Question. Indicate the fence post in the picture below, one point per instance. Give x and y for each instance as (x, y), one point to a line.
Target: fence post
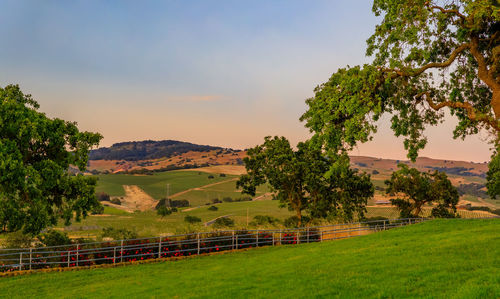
(121, 251)
(69, 257)
(159, 248)
(236, 241)
(273, 238)
(232, 240)
(20, 261)
(77, 254)
(257, 239)
(384, 224)
(198, 237)
(298, 236)
(281, 241)
(307, 232)
(31, 254)
(114, 255)
(321, 240)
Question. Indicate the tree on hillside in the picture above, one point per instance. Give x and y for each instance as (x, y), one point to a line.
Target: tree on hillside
(427, 57)
(416, 189)
(298, 181)
(36, 152)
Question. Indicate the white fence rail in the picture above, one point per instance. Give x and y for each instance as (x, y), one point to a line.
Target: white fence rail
(112, 252)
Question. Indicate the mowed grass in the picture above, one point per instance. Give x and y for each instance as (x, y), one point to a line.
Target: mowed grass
(436, 259)
(156, 185)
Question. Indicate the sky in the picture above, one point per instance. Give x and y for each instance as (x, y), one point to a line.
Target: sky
(225, 73)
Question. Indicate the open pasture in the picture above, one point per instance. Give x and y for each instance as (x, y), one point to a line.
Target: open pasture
(435, 259)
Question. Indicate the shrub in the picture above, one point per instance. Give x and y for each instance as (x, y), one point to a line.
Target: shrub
(216, 200)
(118, 233)
(264, 219)
(164, 211)
(227, 199)
(18, 240)
(181, 203)
(375, 172)
(293, 222)
(496, 212)
(98, 209)
(54, 238)
(116, 201)
(244, 198)
(486, 209)
(211, 177)
(161, 203)
(213, 208)
(224, 222)
(192, 219)
(222, 175)
(102, 196)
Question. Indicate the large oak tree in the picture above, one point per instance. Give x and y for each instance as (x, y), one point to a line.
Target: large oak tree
(427, 56)
(36, 152)
(297, 179)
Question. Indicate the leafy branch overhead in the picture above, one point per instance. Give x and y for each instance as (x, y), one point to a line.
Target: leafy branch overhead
(425, 57)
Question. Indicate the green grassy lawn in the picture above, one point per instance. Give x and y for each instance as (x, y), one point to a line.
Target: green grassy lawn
(156, 184)
(437, 259)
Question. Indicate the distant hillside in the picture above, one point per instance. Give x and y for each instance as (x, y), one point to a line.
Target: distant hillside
(148, 149)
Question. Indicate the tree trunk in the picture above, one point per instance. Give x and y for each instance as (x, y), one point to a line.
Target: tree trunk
(299, 215)
(495, 102)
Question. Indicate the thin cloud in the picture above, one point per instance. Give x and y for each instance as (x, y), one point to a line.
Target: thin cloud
(196, 98)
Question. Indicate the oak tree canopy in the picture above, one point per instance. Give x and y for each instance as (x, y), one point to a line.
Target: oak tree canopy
(36, 152)
(427, 56)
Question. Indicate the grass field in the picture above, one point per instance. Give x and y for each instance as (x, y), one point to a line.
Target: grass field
(150, 224)
(436, 259)
(156, 185)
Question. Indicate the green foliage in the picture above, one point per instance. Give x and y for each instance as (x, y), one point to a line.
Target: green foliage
(419, 188)
(265, 220)
(165, 211)
(148, 149)
(116, 201)
(213, 208)
(54, 238)
(294, 222)
(98, 209)
(103, 196)
(18, 240)
(493, 176)
(227, 199)
(192, 219)
(36, 153)
(427, 55)
(223, 222)
(306, 180)
(211, 177)
(118, 233)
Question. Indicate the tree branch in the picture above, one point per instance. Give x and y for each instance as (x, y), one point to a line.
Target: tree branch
(447, 11)
(471, 112)
(416, 72)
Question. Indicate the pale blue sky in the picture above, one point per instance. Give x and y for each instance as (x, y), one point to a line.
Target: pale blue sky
(223, 73)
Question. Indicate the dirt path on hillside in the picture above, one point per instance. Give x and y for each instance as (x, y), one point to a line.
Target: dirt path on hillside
(201, 188)
(136, 199)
